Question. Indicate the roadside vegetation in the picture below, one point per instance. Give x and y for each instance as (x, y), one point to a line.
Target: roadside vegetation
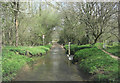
(23, 27)
(93, 26)
(101, 66)
(28, 28)
(74, 48)
(14, 58)
(115, 50)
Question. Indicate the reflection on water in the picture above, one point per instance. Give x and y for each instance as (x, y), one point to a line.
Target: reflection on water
(52, 67)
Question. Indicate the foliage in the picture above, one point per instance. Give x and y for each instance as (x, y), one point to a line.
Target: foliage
(11, 63)
(115, 43)
(48, 46)
(111, 48)
(13, 58)
(30, 51)
(33, 20)
(89, 22)
(114, 50)
(74, 48)
(100, 45)
(99, 64)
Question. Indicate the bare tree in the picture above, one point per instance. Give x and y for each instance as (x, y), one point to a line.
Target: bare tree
(16, 11)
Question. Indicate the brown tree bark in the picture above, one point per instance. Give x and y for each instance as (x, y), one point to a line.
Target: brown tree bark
(16, 26)
(16, 10)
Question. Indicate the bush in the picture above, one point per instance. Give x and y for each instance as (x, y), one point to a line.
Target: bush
(49, 46)
(115, 43)
(74, 48)
(99, 45)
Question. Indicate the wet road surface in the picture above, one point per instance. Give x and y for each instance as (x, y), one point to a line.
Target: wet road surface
(54, 66)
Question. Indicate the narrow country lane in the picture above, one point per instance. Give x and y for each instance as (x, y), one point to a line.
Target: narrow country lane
(54, 67)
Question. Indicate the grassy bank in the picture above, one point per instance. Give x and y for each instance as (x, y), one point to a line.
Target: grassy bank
(14, 58)
(74, 48)
(98, 64)
(115, 50)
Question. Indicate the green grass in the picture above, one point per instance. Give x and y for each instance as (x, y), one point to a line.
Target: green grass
(32, 51)
(99, 64)
(94, 61)
(115, 50)
(11, 63)
(14, 58)
(74, 48)
(100, 45)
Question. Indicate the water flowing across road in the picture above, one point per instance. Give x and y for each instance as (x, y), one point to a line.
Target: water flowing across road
(54, 66)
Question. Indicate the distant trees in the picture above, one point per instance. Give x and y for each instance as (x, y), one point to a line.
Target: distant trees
(73, 29)
(7, 21)
(81, 23)
(25, 23)
(96, 16)
(88, 22)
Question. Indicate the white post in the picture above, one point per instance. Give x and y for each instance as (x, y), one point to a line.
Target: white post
(69, 48)
(104, 44)
(43, 39)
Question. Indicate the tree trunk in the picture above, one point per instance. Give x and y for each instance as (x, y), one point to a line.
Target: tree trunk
(96, 38)
(9, 38)
(95, 41)
(119, 21)
(16, 10)
(16, 27)
(40, 10)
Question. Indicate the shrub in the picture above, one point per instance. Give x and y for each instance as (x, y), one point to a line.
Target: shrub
(74, 48)
(99, 45)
